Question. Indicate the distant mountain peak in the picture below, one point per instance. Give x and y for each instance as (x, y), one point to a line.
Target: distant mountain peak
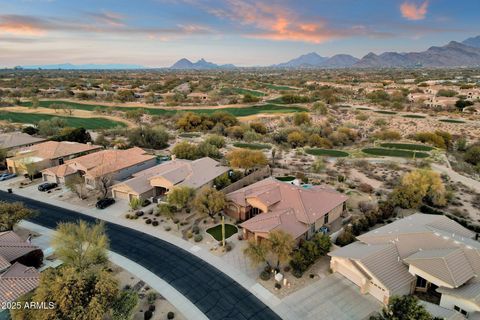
(472, 42)
(202, 64)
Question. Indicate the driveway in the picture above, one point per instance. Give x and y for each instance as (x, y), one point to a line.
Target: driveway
(213, 292)
(333, 297)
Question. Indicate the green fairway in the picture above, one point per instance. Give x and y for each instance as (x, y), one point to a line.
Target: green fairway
(451, 121)
(279, 87)
(407, 146)
(385, 112)
(327, 152)
(395, 153)
(414, 116)
(248, 91)
(362, 108)
(285, 178)
(253, 146)
(216, 231)
(236, 111)
(87, 123)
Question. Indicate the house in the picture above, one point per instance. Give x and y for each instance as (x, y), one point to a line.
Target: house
(440, 102)
(106, 167)
(47, 154)
(16, 140)
(419, 253)
(198, 96)
(161, 178)
(270, 205)
(18, 262)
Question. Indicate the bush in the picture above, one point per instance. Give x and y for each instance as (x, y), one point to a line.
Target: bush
(155, 223)
(365, 187)
(228, 247)
(151, 307)
(196, 229)
(170, 315)
(198, 238)
(139, 213)
(148, 315)
(265, 275)
(145, 202)
(278, 286)
(148, 221)
(167, 228)
(297, 273)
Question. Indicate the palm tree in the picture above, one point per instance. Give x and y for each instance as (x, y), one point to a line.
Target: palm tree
(81, 245)
(281, 245)
(257, 252)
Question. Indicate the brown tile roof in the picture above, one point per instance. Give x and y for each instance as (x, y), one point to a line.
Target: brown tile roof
(13, 247)
(290, 208)
(17, 139)
(17, 281)
(103, 162)
(469, 291)
(55, 149)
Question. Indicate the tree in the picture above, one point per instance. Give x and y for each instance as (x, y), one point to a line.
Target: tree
(180, 197)
(79, 135)
(31, 168)
(222, 181)
(76, 184)
(215, 140)
(258, 127)
(246, 159)
(3, 155)
(300, 118)
(103, 183)
(403, 308)
(145, 137)
(296, 139)
(281, 245)
(11, 213)
(472, 155)
(185, 150)
(80, 245)
(428, 184)
(166, 210)
(257, 251)
(35, 103)
(320, 108)
(209, 201)
(462, 104)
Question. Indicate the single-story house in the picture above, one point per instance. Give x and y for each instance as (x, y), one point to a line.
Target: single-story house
(270, 205)
(18, 262)
(158, 180)
(113, 165)
(424, 253)
(15, 140)
(47, 154)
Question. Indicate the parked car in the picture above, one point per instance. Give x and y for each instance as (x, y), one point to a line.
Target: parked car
(6, 176)
(47, 186)
(103, 203)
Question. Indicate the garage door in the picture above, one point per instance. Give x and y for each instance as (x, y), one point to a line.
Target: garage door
(121, 195)
(348, 273)
(377, 292)
(49, 178)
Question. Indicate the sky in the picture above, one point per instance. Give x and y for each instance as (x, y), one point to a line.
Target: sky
(156, 33)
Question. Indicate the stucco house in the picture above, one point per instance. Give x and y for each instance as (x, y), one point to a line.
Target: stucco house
(270, 205)
(425, 253)
(13, 141)
(158, 180)
(47, 154)
(112, 165)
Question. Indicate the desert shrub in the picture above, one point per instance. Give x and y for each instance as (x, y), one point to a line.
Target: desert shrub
(196, 229)
(170, 315)
(198, 238)
(148, 315)
(346, 237)
(365, 187)
(228, 247)
(167, 228)
(265, 275)
(148, 221)
(155, 223)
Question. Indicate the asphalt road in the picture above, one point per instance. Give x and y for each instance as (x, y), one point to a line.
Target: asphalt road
(214, 293)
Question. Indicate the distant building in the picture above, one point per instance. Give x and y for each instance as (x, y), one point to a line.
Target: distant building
(270, 205)
(15, 140)
(424, 253)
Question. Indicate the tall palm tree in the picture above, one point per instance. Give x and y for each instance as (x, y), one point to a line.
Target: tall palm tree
(281, 245)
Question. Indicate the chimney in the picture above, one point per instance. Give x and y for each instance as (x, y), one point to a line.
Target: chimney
(173, 157)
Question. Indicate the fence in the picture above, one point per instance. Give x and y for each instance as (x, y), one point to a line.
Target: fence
(253, 177)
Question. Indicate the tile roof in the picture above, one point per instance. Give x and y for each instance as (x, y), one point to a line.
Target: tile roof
(55, 149)
(17, 139)
(469, 291)
(13, 247)
(102, 162)
(17, 281)
(290, 208)
(441, 313)
(449, 265)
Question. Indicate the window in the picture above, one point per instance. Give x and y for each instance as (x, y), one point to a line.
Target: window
(457, 308)
(60, 161)
(421, 283)
(325, 219)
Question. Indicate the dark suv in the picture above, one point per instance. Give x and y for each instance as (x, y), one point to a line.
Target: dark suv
(103, 203)
(47, 186)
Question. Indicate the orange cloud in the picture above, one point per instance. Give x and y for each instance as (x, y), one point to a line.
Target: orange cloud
(18, 25)
(412, 11)
(275, 22)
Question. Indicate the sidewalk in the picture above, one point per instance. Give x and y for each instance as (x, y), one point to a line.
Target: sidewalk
(188, 309)
(111, 215)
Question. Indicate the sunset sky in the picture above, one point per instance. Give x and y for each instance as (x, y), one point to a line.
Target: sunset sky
(156, 33)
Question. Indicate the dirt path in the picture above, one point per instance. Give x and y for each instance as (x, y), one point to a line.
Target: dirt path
(75, 113)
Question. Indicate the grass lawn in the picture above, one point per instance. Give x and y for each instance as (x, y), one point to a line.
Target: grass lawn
(413, 116)
(385, 112)
(239, 112)
(407, 146)
(253, 146)
(189, 135)
(451, 120)
(327, 152)
(87, 123)
(216, 231)
(395, 153)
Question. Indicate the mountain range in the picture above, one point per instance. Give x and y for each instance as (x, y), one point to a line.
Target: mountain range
(202, 64)
(90, 66)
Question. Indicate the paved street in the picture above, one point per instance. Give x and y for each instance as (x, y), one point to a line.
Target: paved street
(213, 292)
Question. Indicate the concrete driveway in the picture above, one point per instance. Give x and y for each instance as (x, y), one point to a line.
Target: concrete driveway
(333, 297)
